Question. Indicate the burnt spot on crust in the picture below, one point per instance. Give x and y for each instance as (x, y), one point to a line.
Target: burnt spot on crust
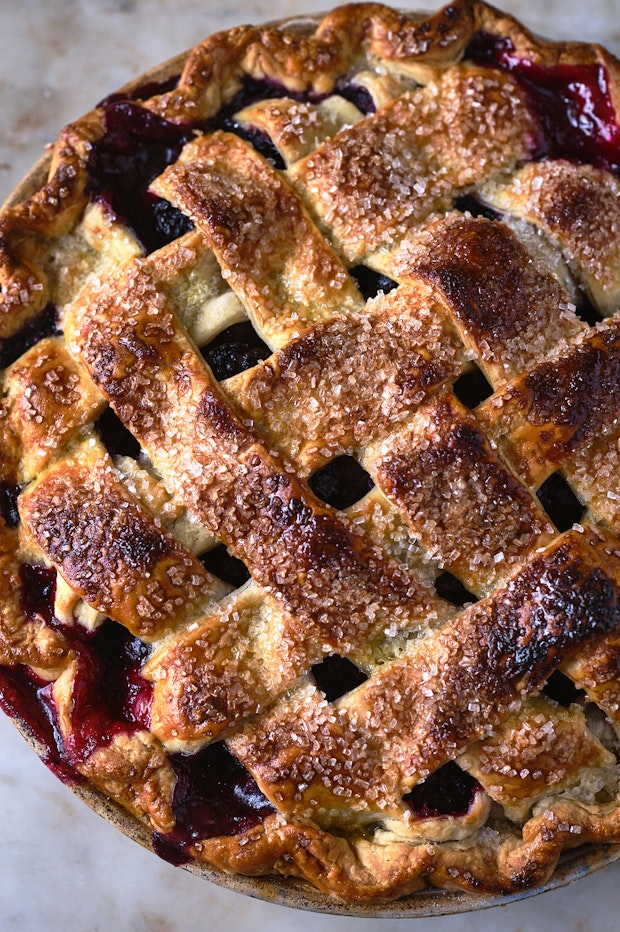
(583, 604)
(459, 499)
(579, 391)
(507, 307)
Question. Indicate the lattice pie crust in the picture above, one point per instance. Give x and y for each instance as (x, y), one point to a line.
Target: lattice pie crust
(413, 449)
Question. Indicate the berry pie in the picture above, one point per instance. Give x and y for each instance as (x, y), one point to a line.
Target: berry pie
(310, 454)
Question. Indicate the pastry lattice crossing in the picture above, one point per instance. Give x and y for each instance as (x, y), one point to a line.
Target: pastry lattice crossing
(298, 350)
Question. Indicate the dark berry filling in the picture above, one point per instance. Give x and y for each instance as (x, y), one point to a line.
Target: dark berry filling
(38, 591)
(254, 90)
(453, 590)
(356, 94)
(586, 311)
(214, 795)
(257, 139)
(469, 203)
(370, 283)
(9, 493)
(45, 324)
(341, 482)
(109, 696)
(225, 566)
(571, 103)
(448, 791)
(117, 439)
(135, 148)
(472, 388)
(560, 502)
(562, 689)
(237, 348)
(144, 92)
(20, 698)
(336, 676)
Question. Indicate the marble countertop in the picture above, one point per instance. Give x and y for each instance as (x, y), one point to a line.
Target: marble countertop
(61, 866)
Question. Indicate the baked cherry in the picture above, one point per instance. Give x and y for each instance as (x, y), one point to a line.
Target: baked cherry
(572, 103)
(214, 795)
(448, 791)
(134, 149)
(44, 324)
(237, 348)
(341, 482)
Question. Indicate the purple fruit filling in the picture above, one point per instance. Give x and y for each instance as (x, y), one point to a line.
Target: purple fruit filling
(560, 502)
(20, 698)
(572, 103)
(336, 676)
(135, 148)
(224, 565)
(45, 324)
(144, 92)
(453, 590)
(356, 94)
(109, 696)
(237, 348)
(9, 493)
(256, 138)
(38, 591)
(117, 439)
(214, 795)
(341, 482)
(370, 283)
(448, 791)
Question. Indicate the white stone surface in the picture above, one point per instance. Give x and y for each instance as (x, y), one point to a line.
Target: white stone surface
(61, 866)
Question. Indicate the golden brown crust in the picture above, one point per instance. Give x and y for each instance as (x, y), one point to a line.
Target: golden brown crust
(335, 412)
(49, 397)
(109, 549)
(475, 263)
(269, 250)
(547, 416)
(578, 207)
(234, 462)
(371, 183)
(442, 452)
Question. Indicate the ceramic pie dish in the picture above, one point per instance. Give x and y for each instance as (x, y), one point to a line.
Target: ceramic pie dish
(309, 438)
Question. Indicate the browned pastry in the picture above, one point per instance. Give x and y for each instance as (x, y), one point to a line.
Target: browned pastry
(310, 456)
